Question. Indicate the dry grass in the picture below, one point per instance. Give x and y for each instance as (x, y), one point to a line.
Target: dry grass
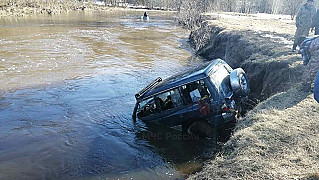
(279, 139)
(280, 24)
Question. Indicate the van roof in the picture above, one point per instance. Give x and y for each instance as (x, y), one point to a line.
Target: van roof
(198, 73)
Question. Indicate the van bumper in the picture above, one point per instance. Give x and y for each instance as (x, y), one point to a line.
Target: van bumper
(222, 119)
(229, 116)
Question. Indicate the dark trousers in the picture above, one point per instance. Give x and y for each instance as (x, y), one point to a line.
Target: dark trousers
(301, 31)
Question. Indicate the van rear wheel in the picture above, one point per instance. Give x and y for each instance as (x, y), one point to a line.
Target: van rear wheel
(201, 128)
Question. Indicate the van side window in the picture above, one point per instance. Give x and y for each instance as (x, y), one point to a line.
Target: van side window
(169, 100)
(146, 108)
(195, 91)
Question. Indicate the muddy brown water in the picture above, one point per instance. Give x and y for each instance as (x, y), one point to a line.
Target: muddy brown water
(67, 95)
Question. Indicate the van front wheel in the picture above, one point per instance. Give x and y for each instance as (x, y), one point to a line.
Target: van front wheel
(201, 128)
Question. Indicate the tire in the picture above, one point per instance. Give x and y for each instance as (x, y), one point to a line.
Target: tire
(201, 128)
(239, 83)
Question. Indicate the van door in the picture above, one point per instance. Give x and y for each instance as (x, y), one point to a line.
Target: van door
(197, 99)
(172, 108)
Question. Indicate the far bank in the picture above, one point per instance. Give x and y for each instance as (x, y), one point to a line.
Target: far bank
(55, 7)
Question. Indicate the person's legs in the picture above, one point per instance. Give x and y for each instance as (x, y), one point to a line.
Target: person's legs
(316, 88)
(301, 31)
(297, 35)
(310, 72)
(305, 32)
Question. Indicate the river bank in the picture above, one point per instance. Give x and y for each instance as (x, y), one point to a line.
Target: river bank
(55, 8)
(21, 9)
(278, 139)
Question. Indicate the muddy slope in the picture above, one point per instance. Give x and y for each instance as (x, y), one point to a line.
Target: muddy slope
(266, 57)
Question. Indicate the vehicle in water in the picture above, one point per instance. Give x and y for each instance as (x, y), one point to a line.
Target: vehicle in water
(195, 101)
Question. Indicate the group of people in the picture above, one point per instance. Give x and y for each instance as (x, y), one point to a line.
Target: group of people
(307, 20)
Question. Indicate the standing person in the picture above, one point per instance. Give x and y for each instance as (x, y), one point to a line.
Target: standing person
(315, 22)
(145, 16)
(310, 48)
(304, 21)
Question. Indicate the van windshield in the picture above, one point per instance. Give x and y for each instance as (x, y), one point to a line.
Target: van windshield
(146, 108)
(220, 78)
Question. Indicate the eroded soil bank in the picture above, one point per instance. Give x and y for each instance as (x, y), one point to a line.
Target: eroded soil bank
(265, 56)
(278, 139)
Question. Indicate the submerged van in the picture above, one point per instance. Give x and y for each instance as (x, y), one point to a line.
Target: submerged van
(195, 101)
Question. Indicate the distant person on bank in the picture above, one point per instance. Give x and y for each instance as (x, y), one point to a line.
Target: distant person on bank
(309, 48)
(304, 21)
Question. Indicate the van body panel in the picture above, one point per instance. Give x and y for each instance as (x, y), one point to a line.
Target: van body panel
(199, 94)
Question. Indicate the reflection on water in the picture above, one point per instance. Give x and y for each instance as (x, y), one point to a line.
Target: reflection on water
(80, 126)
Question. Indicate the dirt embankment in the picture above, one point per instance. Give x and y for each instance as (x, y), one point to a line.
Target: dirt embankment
(279, 138)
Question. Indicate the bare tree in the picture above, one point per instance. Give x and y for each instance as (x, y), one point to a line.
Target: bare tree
(275, 6)
(189, 10)
(245, 6)
(292, 7)
(230, 5)
(190, 14)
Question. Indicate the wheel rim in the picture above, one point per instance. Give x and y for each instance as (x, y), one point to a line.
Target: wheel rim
(243, 82)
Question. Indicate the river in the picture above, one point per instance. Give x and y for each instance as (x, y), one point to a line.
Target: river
(67, 94)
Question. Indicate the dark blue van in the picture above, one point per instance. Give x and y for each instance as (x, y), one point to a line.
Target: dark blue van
(194, 101)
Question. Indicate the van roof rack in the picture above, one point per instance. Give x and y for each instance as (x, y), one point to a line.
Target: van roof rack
(151, 85)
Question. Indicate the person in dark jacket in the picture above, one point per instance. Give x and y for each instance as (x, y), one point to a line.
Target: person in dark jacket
(309, 48)
(316, 88)
(145, 16)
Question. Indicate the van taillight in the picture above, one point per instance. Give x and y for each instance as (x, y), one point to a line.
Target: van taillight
(225, 108)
